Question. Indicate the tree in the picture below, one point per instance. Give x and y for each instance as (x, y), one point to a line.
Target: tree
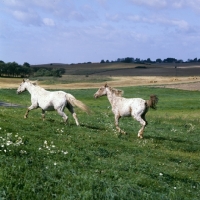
(158, 60)
(2, 68)
(137, 60)
(169, 60)
(195, 60)
(26, 64)
(128, 60)
(12, 68)
(149, 60)
(102, 61)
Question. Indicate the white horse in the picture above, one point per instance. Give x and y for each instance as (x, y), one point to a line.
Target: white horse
(121, 107)
(47, 100)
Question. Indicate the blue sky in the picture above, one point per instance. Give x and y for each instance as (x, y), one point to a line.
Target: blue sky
(75, 31)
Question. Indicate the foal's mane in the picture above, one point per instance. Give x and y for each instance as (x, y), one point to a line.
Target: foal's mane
(117, 92)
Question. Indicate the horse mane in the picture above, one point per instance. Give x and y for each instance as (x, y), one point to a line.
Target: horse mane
(34, 83)
(117, 92)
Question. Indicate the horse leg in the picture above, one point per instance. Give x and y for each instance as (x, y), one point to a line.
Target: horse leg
(71, 109)
(117, 117)
(28, 109)
(62, 114)
(43, 114)
(26, 114)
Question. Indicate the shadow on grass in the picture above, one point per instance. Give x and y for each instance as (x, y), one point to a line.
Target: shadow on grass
(160, 138)
(92, 127)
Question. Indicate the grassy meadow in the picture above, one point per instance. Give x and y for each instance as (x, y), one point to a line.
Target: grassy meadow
(52, 160)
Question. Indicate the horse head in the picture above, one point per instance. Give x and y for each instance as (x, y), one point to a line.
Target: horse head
(22, 86)
(101, 91)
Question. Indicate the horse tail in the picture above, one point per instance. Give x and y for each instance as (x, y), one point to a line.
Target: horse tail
(151, 103)
(75, 102)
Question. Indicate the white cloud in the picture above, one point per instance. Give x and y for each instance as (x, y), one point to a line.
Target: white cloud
(150, 3)
(118, 28)
(48, 22)
(102, 3)
(180, 24)
(27, 17)
(153, 20)
(177, 4)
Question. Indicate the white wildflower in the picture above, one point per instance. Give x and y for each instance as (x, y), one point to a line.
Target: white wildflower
(9, 134)
(23, 152)
(8, 143)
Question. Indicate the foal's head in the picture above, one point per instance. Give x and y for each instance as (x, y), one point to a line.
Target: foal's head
(102, 91)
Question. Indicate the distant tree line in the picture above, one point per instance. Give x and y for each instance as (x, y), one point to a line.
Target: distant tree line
(13, 69)
(42, 71)
(148, 60)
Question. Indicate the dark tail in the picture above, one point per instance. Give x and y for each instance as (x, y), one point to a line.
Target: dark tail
(151, 103)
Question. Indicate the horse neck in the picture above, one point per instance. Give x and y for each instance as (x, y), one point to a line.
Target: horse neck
(111, 96)
(30, 87)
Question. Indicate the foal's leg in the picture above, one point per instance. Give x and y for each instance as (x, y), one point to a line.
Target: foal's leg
(71, 109)
(117, 117)
(143, 123)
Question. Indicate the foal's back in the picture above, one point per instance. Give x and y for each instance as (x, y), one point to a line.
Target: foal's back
(128, 106)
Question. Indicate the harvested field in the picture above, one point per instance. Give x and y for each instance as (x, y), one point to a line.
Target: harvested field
(79, 76)
(185, 83)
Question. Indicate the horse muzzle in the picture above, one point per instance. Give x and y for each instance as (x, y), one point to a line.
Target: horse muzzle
(96, 96)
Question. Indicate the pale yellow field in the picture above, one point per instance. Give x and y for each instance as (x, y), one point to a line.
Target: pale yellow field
(191, 83)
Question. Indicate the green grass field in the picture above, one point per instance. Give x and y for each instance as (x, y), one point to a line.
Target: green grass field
(51, 160)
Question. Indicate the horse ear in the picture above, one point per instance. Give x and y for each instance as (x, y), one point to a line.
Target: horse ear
(23, 80)
(34, 82)
(106, 85)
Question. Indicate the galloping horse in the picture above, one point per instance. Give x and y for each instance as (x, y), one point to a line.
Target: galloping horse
(121, 107)
(47, 100)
